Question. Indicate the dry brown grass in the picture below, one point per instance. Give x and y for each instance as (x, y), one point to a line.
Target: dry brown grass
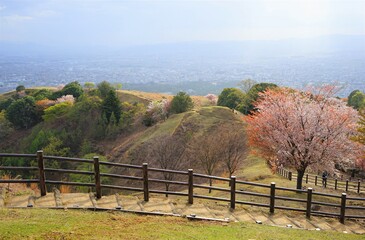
(14, 188)
(65, 189)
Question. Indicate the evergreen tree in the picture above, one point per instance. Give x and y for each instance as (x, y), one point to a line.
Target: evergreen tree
(112, 105)
(230, 97)
(22, 113)
(182, 102)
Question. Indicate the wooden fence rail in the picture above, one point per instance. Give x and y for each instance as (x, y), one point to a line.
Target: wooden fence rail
(234, 191)
(337, 184)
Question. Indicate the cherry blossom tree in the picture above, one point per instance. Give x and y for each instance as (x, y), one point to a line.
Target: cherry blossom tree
(360, 138)
(302, 130)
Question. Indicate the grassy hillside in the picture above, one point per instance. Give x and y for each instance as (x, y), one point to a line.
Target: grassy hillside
(194, 123)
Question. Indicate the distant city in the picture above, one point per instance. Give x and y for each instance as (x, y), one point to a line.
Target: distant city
(197, 74)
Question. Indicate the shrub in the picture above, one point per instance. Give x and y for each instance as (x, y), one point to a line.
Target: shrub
(182, 102)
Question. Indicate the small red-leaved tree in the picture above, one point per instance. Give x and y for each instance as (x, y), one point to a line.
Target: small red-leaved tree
(301, 130)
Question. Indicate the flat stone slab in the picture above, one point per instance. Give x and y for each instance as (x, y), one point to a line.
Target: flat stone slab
(199, 210)
(281, 220)
(107, 202)
(81, 200)
(131, 204)
(157, 205)
(45, 201)
(243, 216)
(302, 222)
(18, 201)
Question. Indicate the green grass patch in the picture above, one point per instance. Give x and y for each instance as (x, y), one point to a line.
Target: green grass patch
(60, 224)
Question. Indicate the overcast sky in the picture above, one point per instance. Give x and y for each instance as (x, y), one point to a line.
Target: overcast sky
(123, 23)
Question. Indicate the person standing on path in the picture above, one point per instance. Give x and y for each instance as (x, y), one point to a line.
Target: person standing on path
(324, 178)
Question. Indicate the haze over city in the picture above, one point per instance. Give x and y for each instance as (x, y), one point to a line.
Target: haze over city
(168, 46)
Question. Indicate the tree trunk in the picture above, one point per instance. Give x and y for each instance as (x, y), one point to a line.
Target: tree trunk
(300, 178)
(167, 189)
(210, 184)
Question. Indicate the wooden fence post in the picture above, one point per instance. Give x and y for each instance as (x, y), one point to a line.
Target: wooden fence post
(336, 184)
(347, 185)
(233, 192)
(290, 176)
(191, 186)
(343, 208)
(309, 202)
(315, 180)
(272, 197)
(97, 177)
(306, 178)
(358, 185)
(42, 175)
(145, 182)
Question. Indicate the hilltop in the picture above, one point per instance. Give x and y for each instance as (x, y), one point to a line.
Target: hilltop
(79, 130)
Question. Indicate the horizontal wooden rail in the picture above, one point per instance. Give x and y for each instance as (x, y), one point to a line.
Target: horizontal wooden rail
(121, 176)
(70, 183)
(253, 184)
(81, 160)
(167, 181)
(318, 213)
(120, 165)
(291, 199)
(211, 177)
(253, 194)
(167, 171)
(122, 188)
(18, 155)
(291, 189)
(18, 168)
(290, 208)
(326, 204)
(168, 192)
(253, 204)
(68, 171)
(212, 198)
(326, 194)
(212, 188)
(19, 180)
(355, 207)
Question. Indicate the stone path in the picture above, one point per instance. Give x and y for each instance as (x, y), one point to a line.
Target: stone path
(178, 207)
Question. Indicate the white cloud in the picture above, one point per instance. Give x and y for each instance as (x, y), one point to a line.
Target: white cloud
(16, 18)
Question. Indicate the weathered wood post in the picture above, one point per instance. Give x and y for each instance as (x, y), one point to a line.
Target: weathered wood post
(97, 177)
(336, 184)
(145, 182)
(233, 192)
(309, 202)
(191, 186)
(347, 185)
(358, 185)
(272, 197)
(343, 208)
(290, 176)
(306, 178)
(42, 175)
(315, 180)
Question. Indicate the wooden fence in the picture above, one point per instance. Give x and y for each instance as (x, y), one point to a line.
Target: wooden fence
(143, 177)
(334, 183)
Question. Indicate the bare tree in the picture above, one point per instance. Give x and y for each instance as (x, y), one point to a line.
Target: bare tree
(168, 152)
(246, 85)
(206, 151)
(233, 144)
